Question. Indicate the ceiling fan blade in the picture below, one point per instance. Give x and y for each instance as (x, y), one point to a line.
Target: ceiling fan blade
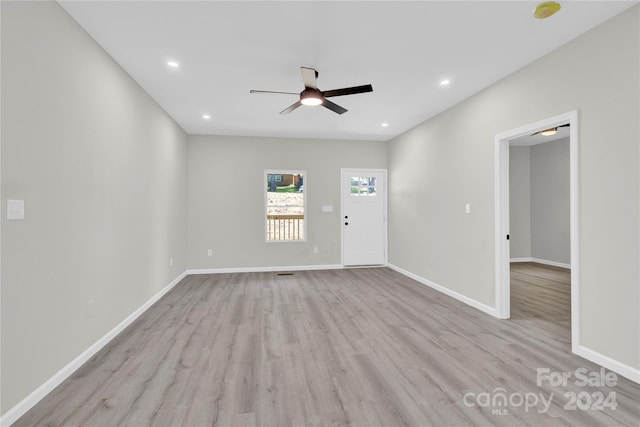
(291, 108)
(309, 76)
(333, 107)
(348, 91)
(272, 91)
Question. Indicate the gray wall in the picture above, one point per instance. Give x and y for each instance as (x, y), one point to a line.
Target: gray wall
(102, 170)
(550, 202)
(539, 199)
(226, 198)
(520, 202)
(452, 157)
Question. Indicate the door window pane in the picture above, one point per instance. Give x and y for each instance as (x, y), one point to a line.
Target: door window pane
(363, 186)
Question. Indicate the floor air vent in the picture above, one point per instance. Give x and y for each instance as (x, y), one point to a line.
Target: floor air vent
(284, 274)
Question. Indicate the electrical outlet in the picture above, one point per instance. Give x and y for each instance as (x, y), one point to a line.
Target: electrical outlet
(209, 252)
(315, 249)
(15, 210)
(171, 262)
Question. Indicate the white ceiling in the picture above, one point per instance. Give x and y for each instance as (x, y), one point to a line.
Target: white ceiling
(403, 48)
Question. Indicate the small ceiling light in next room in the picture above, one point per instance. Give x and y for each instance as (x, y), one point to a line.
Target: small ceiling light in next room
(385, 125)
(173, 64)
(445, 82)
(206, 116)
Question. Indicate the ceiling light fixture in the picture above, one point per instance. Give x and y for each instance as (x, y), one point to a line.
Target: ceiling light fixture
(173, 64)
(546, 9)
(206, 116)
(445, 82)
(385, 125)
(311, 97)
(549, 132)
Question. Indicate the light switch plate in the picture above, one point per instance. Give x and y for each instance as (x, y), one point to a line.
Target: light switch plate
(327, 209)
(15, 210)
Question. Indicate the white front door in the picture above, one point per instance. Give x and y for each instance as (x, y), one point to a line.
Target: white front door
(364, 216)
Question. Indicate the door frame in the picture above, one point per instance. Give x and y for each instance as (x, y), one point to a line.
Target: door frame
(502, 245)
(360, 171)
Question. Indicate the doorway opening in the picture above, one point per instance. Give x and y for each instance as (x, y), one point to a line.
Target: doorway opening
(502, 218)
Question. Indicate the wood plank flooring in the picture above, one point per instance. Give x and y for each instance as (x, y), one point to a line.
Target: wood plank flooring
(357, 347)
(541, 299)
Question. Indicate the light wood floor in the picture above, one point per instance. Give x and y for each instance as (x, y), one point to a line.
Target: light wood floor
(541, 299)
(362, 347)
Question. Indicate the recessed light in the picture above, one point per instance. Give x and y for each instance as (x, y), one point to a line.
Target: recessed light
(173, 64)
(445, 82)
(385, 125)
(206, 116)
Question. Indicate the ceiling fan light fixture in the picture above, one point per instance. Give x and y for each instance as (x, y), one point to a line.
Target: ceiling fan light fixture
(549, 132)
(311, 101)
(311, 97)
(546, 9)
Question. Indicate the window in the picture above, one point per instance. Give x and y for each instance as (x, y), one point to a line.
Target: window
(363, 186)
(285, 206)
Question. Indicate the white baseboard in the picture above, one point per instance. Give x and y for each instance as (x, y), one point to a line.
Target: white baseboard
(38, 394)
(469, 301)
(620, 368)
(542, 261)
(264, 269)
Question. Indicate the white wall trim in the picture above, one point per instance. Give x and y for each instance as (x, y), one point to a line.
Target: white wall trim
(542, 261)
(625, 370)
(38, 394)
(263, 269)
(453, 294)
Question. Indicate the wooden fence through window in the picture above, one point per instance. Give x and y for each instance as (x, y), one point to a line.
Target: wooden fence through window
(285, 227)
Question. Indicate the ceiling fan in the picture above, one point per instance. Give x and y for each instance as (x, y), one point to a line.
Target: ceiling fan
(313, 96)
(550, 131)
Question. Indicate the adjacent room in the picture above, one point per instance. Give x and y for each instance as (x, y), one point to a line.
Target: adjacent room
(540, 231)
(225, 213)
